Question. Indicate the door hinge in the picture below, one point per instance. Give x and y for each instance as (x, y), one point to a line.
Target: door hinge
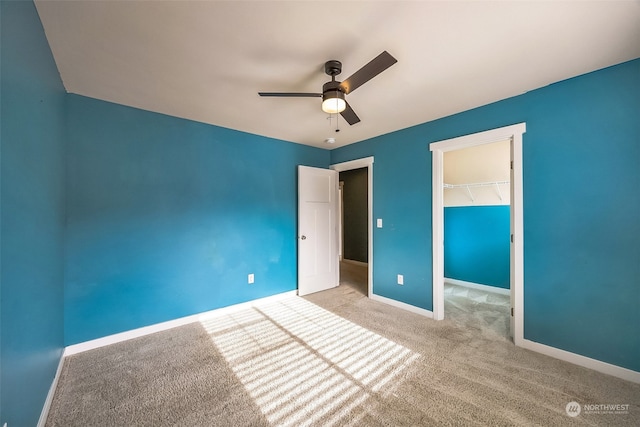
(511, 311)
(512, 238)
(511, 164)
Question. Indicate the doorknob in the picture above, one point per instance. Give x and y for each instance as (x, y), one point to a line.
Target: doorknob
(303, 237)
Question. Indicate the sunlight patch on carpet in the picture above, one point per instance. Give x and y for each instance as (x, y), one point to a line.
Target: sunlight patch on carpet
(303, 364)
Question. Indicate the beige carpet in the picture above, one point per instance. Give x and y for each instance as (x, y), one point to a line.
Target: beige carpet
(335, 358)
(354, 276)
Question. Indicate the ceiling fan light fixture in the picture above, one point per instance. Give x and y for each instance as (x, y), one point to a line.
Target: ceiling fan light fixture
(333, 102)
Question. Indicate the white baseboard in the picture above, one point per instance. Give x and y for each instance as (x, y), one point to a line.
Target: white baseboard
(586, 362)
(354, 262)
(486, 288)
(159, 327)
(52, 390)
(402, 305)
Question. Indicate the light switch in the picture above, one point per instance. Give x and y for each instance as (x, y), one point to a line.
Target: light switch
(379, 223)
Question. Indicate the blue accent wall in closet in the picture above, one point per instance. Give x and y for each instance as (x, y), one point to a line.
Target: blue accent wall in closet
(476, 244)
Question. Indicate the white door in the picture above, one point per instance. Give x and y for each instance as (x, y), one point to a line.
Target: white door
(317, 229)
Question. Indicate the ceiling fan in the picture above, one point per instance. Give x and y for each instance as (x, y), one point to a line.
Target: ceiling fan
(333, 92)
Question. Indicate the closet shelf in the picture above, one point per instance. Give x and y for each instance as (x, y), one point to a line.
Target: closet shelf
(476, 184)
(497, 184)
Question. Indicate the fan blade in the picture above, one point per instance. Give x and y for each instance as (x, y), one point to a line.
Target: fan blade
(292, 94)
(350, 116)
(369, 71)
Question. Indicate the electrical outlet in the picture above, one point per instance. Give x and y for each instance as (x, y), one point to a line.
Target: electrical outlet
(379, 223)
(251, 278)
(400, 279)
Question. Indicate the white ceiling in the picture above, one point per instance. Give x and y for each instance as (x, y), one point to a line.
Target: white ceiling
(477, 164)
(207, 60)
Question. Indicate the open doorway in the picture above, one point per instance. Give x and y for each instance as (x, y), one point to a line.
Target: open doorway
(514, 134)
(354, 233)
(476, 203)
(356, 248)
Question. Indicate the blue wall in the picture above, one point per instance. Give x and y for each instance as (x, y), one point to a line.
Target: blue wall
(166, 217)
(32, 215)
(401, 175)
(581, 204)
(476, 244)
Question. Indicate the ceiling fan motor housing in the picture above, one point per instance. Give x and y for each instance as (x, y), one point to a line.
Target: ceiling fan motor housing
(332, 86)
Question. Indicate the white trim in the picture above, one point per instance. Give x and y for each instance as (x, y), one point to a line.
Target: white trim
(479, 286)
(514, 133)
(353, 164)
(438, 233)
(587, 362)
(365, 162)
(158, 327)
(517, 212)
(340, 218)
(479, 138)
(402, 305)
(354, 262)
(52, 390)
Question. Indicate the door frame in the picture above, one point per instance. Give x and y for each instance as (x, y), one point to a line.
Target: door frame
(340, 219)
(366, 162)
(513, 133)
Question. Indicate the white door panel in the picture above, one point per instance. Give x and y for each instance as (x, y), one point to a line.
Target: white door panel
(317, 232)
